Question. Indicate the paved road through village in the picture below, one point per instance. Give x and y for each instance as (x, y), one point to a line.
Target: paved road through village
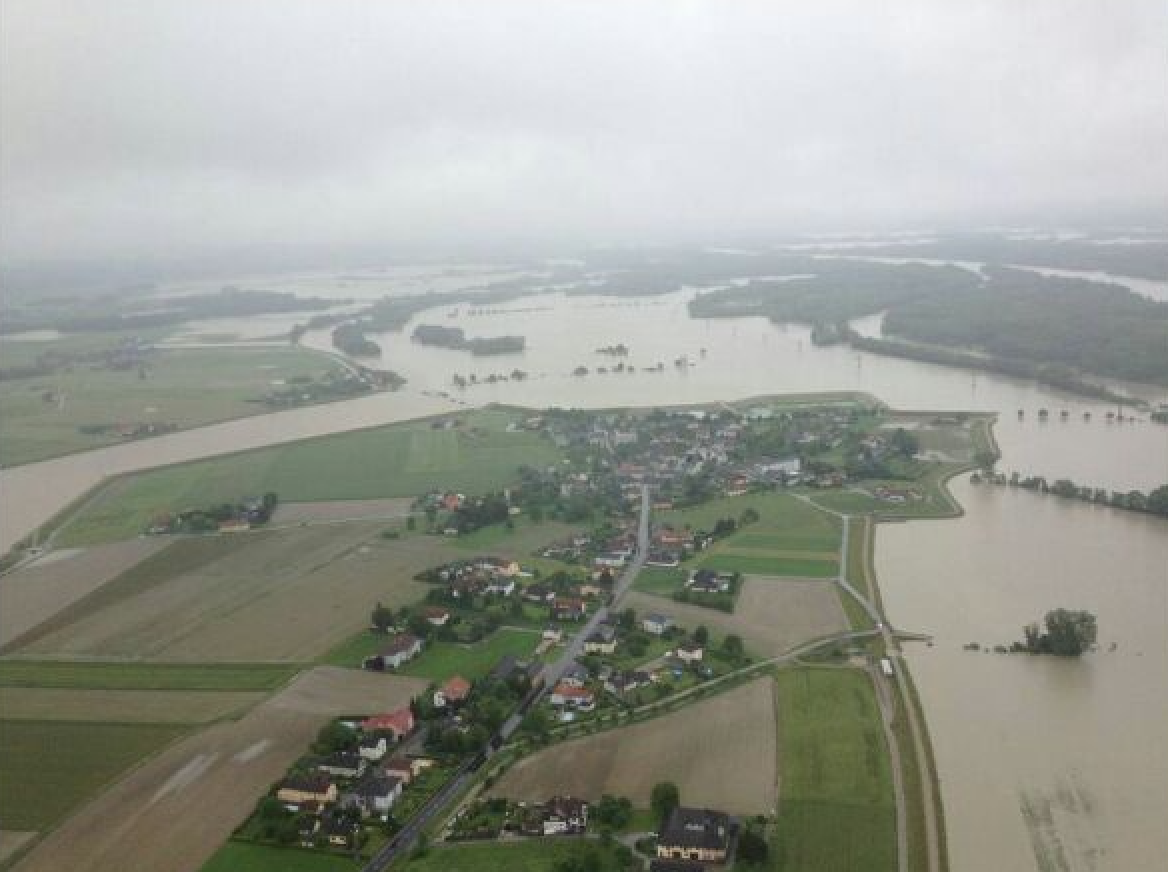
(405, 839)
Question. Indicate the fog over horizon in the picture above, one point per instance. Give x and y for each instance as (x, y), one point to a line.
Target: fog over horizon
(174, 131)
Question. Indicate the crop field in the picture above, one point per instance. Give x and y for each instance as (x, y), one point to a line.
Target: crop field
(91, 675)
(40, 417)
(771, 615)
(180, 806)
(738, 776)
(280, 595)
(785, 522)
(50, 767)
(401, 460)
(342, 510)
(790, 538)
(37, 592)
(124, 706)
(836, 812)
(730, 560)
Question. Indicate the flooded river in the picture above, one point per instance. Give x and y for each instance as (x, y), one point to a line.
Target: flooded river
(1045, 765)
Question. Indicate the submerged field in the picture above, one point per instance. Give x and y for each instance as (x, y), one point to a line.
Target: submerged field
(40, 417)
(837, 811)
(401, 460)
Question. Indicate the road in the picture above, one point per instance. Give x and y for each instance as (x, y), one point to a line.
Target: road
(887, 699)
(417, 824)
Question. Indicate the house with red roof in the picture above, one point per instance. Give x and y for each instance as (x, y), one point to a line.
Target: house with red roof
(453, 693)
(400, 723)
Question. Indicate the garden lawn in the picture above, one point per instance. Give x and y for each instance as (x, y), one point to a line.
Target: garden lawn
(536, 855)
(400, 460)
(662, 582)
(837, 811)
(441, 660)
(242, 857)
(48, 768)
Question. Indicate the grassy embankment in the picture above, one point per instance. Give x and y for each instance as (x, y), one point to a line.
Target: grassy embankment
(40, 416)
(836, 809)
(399, 460)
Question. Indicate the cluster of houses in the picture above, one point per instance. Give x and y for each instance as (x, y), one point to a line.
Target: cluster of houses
(227, 518)
(334, 795)
(578, 689)
(558, 816)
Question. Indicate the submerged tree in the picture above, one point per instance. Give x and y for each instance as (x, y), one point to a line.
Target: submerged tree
(1068, 634)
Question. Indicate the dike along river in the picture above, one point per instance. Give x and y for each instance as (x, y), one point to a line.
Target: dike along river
(1044, 765)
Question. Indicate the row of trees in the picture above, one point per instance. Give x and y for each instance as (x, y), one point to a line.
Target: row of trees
(1154, 502)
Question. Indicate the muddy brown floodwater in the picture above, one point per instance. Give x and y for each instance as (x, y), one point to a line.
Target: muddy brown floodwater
(1045, 765)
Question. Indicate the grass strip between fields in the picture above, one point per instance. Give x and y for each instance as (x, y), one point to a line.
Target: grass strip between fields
(145, 676)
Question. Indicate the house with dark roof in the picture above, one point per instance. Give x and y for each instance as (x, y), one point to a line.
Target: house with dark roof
(602, 641)
(696, 834)
(343, 764)
(373, 795)
(564, 814)
(401, 648)
(314, 787)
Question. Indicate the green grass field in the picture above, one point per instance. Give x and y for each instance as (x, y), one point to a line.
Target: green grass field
(790, 538)
(662, 582)
(729, 561)
(536, 855)
(443, 659)
(186, 388)
(242, 857)
(396, 461)
(48, 768)
(143, 676)
(837, 811)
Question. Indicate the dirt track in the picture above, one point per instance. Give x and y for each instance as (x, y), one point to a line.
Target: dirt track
(341, 510)
(720, 753)
(39, 591)
(171, 813)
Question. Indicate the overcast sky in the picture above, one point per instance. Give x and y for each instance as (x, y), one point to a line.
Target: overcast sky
(173, 128)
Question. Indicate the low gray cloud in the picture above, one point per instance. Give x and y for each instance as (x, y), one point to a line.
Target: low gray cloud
(170, 128)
